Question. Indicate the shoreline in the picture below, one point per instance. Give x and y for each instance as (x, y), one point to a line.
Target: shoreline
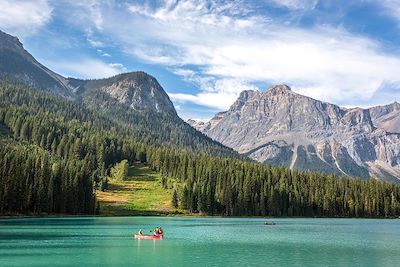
(186, 216)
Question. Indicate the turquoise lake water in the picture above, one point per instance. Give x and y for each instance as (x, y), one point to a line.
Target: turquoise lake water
(105, 241)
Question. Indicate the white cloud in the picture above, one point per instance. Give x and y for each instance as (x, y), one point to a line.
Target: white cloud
(95, 43)
(86, 15)
(295, 4)
(392, 8)
(224, 47)
(118, 66)
(104, 54)
(86, 68)
(24, 17)
(325, 63)
(218, 94)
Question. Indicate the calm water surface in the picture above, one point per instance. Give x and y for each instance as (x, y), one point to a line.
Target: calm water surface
(87, 241)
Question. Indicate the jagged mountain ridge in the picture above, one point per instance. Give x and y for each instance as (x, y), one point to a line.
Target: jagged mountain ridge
(281, 127)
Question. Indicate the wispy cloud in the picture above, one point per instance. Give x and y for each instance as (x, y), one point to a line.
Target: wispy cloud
(392, 8)
(295, 4)
(215, 93)
(223, 47)
(86, 15)
(323, 62)
(86, 68)
(24, 17)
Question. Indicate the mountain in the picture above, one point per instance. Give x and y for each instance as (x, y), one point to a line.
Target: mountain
(61, 138)
(18, 65)
(138, 90)
(134, 100)
(387, 117)
(281, 127)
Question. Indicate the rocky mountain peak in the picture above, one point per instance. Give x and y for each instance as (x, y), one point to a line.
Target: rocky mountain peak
(138, 90)
(244, 96)
(281, 127)
(279, 88)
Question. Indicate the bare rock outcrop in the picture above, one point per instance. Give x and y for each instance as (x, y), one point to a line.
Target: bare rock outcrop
(281, 127)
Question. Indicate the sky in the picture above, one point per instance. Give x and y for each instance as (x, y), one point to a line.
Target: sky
(205, 52)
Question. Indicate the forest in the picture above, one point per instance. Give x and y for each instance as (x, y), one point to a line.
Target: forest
(54, 154)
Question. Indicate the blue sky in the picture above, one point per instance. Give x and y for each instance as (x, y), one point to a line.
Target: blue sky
(205, 52)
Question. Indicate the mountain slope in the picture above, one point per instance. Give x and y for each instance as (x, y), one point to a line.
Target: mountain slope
(281, 127)
(133, 100)
(18, 65)
(138, 90)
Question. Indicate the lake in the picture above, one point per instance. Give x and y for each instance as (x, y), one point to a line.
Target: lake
(108, 241)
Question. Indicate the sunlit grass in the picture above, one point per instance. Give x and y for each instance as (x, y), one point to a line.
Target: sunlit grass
(140, 194)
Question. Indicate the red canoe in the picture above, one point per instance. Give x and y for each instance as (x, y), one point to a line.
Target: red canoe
(149, 236)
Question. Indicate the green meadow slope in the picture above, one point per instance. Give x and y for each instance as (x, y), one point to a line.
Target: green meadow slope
(140, 194)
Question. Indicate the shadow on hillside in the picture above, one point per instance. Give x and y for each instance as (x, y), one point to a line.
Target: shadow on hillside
(140, 172)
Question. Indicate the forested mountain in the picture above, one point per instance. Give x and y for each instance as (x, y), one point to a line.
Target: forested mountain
(58, 146)
(133, 99)
(281, 127)
(56, 152)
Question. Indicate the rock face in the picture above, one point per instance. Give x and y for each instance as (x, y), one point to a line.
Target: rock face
(281, 127)
(387, 117)
(137, 90)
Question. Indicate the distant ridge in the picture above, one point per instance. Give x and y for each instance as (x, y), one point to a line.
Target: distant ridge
(281, 127)
(138, 90)
(135, 99)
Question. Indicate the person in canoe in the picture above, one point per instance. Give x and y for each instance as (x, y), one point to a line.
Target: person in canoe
(140, 232)
(155, 232)
(158, 231)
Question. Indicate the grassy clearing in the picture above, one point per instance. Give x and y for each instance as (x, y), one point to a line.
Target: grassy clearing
(140, 194)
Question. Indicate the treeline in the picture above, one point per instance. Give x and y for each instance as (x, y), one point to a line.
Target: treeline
(50, 131)
(31, 180)
(233, 187)
(59, 152)
(155, 129)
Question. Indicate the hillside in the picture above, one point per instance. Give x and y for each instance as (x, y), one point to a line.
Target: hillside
(140, 194)
(134, 100)
(16, 64)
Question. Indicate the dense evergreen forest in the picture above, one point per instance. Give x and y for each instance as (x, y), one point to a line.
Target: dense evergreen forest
(54, 154)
